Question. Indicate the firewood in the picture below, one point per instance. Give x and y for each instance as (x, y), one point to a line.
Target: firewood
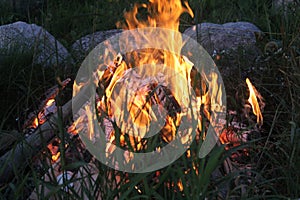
(7, 139)
(50, 94)
(20, 156)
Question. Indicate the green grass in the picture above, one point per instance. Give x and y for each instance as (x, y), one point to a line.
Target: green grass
(274, 156)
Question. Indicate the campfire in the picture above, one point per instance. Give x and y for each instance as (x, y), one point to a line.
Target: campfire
(155, 96)
(131, 98)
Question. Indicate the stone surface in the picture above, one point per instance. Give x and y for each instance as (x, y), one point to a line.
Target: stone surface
(82, 46)
(280, 3)
(23, 38)
(229, 36)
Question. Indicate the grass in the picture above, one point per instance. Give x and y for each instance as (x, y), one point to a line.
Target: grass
(274, 156)
(22, 83)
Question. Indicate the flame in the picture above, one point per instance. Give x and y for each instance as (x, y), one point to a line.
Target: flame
(50, 102)
(164, 14)
(48, 108)
(54, 149)
(76, 126)
(161, 13)
(35, 122)
(188, 153)
(55, 157)
(254, 95)
(180, 185)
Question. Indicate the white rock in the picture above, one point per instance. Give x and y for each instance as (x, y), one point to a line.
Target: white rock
(227, 36)
(20, 37)
(280, 3)
(82, 46)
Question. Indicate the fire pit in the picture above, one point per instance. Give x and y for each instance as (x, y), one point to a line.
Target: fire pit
(167, 94)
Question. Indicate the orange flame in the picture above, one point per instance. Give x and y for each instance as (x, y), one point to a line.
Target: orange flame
(164, 14)
(50, 102)
(254, 95)
(54, 149)
(180, 185)
(161, 13)
(41, 117)
(74, 128)
(35, 122)
(55, 157)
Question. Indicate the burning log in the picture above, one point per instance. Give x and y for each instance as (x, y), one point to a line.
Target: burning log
(39, 134)
(21, 155)
(46, 107)
(7, 140)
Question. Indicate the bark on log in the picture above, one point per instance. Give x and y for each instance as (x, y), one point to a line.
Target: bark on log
(7, 140)
(20, 156)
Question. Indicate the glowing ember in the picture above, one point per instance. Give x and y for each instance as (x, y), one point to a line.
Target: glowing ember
(254, 95)
(54, 149)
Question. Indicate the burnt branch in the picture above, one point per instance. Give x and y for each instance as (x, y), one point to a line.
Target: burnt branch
(20, 156)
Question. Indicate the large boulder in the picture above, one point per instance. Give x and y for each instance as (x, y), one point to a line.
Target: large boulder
(282, 3)
(229, 36)
(23, 38)
(82, 46)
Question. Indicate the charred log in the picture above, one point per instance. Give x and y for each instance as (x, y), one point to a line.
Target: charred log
(19, 157)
